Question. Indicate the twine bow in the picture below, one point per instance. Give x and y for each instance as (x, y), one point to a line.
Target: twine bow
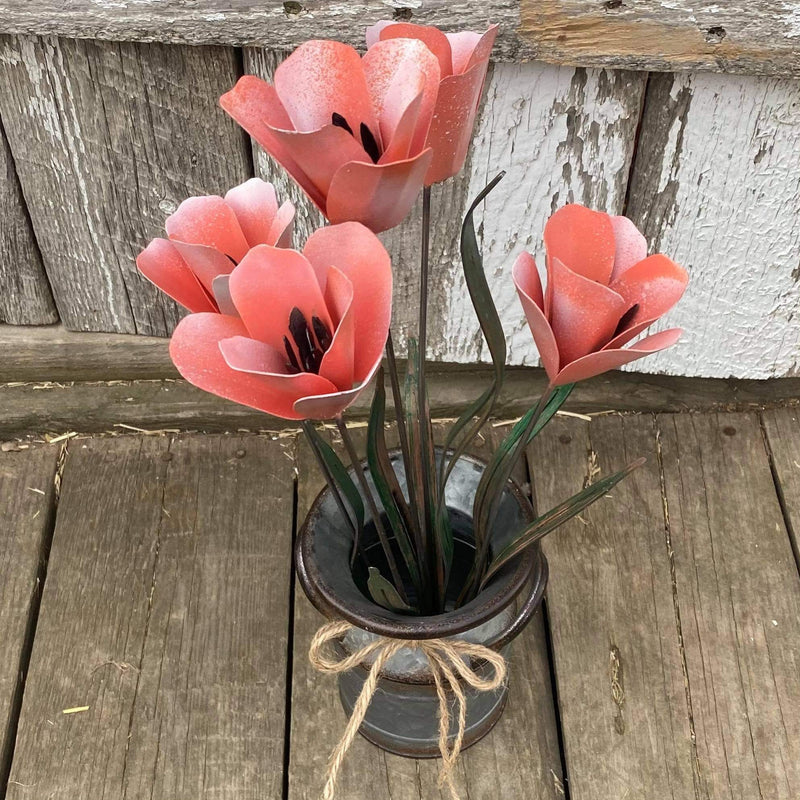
(445, 658)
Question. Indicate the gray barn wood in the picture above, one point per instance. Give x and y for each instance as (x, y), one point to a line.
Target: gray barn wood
(610, 608)
(782, 429)
(737, 591)
(27, 498)
(25, 297)
(733, 36)
(521, 754)
(164, 611)
(108, 138)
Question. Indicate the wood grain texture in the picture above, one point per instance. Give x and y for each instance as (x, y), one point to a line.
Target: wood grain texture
(735, 36)
(266, 23)
(108, 138)
(737, 589)
(716, 186)
(782, 430)
(25, 297)
(27, 498)
(621, 694)
(646, 34)
(114, 406)
(563, 135)
(165, 611)
(519, 758)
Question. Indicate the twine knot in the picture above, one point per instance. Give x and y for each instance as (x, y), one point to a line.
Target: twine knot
(447, 665)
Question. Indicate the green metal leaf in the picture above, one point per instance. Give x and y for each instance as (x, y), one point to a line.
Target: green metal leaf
(339, 473)
(401, 520)
(492, 329)
(557, 516)
(384, 594)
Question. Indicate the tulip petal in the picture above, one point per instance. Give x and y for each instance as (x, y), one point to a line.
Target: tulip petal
(402, 141)
(529, 288)
(630, 246)
(470, 48)
(321, 153)
(265, 287)
(255, 105)
(243, 354)
(436, 41)
(322, 78)
(208, 221)
(360, 256)
(327, 406)
(162, 264)
(377, 195)
(222, 294)
(654, 284)
(255, 205)
(282, 228)
(205, 262)
(604, 360)
(195, 351)
(453, 119)
(397, 71)
(373, 32)
(582, 240)
(584, 315)
(337, 363)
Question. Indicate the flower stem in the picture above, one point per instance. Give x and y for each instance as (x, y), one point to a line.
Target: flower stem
(434, 567)
(373, 508)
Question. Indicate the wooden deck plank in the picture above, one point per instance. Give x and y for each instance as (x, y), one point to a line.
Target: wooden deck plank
(520, 758)
(621, 695)
(738, 594)
(166, 612)
(782, 428)
(27, 495)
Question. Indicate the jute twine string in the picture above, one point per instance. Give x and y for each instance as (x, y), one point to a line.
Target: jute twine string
(447, 665)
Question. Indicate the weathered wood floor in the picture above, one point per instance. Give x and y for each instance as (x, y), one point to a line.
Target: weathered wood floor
(146, 587)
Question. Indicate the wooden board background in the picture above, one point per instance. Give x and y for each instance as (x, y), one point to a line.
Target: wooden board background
(105, 138)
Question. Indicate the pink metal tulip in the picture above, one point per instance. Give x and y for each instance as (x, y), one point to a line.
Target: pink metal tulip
(603, 290)
(304, 333)
(463, 61)
(350, 131)
(208, 236)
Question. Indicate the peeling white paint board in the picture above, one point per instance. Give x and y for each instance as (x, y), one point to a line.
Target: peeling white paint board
(716, 186)
(562, 135)
(108, 138)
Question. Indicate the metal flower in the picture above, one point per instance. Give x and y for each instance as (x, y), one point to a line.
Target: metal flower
(305, 332)
(208, 236)
(350, 130)
(603, 290)
(463, 61)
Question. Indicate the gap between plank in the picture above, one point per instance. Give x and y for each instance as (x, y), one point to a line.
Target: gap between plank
(561, 784)
(794, 542)
(635, 152)
(676, 605)
(7, 756)
(287, 711)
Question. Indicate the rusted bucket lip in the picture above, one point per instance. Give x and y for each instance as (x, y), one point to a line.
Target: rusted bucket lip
(363, 613)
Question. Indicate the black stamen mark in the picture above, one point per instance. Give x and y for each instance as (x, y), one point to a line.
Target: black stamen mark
(310, 355)
(293, 366)
(626, 320)
(322, 333)
(340, 122)
(369, 143)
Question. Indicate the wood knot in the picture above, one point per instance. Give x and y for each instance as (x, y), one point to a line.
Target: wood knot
(716, 34)
(612, 5)
(403, 14)
(729, 430)
(292, 7)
